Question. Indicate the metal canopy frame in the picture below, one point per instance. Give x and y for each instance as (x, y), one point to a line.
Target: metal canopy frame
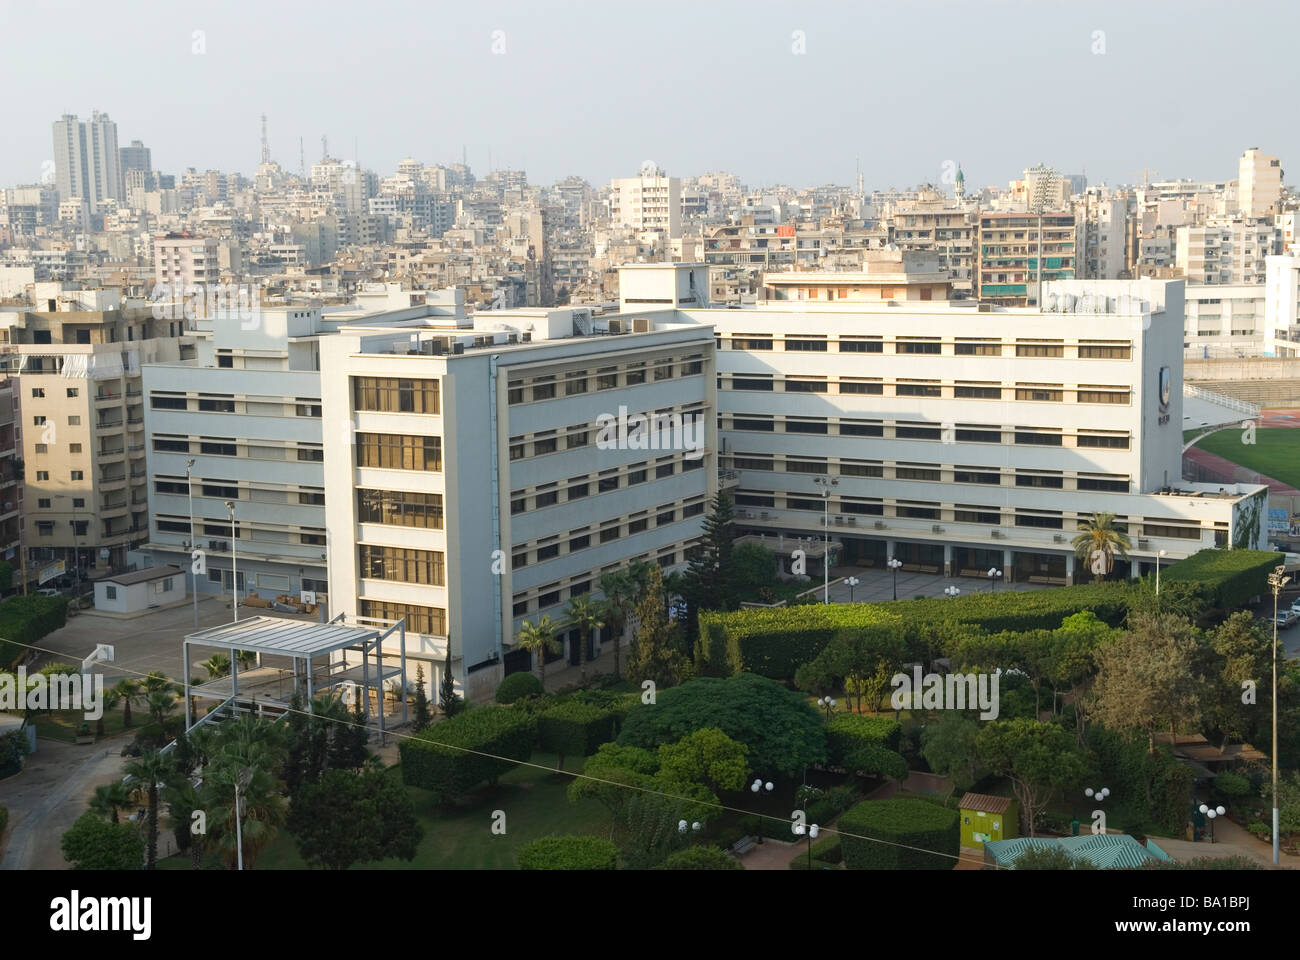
(304, 643)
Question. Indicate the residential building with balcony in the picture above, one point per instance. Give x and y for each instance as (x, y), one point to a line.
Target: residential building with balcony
(77, 367)
(1006, 264)
(1226, 250)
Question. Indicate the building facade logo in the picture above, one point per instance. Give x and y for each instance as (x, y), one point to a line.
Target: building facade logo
(1166, 394)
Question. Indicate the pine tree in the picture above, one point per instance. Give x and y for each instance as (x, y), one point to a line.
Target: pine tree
(707, 584)
(657, 654)
(448, 700)
(421, 701)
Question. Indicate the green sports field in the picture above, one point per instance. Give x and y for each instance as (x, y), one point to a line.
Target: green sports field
(1275, 452)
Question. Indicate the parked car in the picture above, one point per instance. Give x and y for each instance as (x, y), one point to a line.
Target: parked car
(1295, 608)
(1285, 620)
(49, 592)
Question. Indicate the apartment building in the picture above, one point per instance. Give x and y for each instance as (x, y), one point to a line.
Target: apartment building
(1259, 184)
(1224, 320)
(76, 363)
(1281, 321)
(961, 436)
(182, 260)
(1226, 250)
(11, 485)
(87, 163)
(479, 479)
(929, 223)
(1108, 236)
(651, 201)
(1006, 263)
(241, 424)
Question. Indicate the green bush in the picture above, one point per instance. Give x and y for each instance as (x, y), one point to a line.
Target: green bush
(700, 858)
(1225, 579)
(1260, 829)
(1232, 784)
(918, 835)
(571, 852)
(517, 686)
(431, 760)
(847, 732)
(26, 620)
(93, 843)
(575, 729)
(826, 805)
(828, 849)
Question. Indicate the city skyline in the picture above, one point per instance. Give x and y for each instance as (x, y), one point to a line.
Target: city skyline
(501, 58)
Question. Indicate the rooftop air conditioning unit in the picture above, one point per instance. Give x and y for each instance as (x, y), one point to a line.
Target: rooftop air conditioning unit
(996, 534)
(459, 348)
(1058, 538)
(437, 347)
(936, 529)
(640, 324)
(615, 325)
(526, 337)
(880, 525)
(1142, 543)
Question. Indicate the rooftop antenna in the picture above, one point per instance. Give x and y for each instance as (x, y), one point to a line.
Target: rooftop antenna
(266, 146)
(859, 175)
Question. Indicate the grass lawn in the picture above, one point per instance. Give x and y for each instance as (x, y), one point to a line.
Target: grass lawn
(64, 724)
(535, 803)
(1275, 452)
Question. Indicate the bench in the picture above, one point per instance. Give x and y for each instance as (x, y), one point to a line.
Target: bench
(741, 846)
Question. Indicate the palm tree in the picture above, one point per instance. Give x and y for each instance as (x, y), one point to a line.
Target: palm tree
(155, 682)
(159, 704)
(217, 665)
(264, 810)
(247, 659)
(127, 690)
(540, 637)
(620, 591)
(110, 798)
(586, 614)
(1100, 536)
(151, 770)
(182, 801)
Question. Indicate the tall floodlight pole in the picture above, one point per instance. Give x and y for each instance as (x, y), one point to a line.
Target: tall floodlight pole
(234, 562)
(1044, 186)
(1276, 580)
(826, 483)
(194, 577)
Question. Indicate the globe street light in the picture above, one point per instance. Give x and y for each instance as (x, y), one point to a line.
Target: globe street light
(951, 592)
(811, 832)
(994, 575)
(1211, 813)
(894, 563)
(682, 826)
(1276, 581)
(828, 704)
(755, 787)
(852, 582)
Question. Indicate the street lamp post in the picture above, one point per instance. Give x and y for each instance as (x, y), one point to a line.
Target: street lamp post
(1276, 581)
(754, 788)
(828, 704)
(826, 483)
(852, 582)
(234, 562)
(1211, 814)
(810, 832)
(194, 577)
(1158, 556)
(894, 563)
(994, 575)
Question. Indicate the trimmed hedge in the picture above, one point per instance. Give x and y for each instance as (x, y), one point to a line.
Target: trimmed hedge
(828, 849)
(700, 858)
(918, 835)
(775, 643)
(517, 686)
(569, 852)
(430, 760)
(575, 729)
(847, 732)
(26, 620)
(1225, 579)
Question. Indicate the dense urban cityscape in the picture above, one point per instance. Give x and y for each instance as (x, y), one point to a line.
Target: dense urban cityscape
(428, 517)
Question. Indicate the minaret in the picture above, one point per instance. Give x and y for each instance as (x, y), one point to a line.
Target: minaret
(959, 188)
(266, 146)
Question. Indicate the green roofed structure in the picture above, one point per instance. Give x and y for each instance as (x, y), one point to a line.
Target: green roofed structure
(1105, 851)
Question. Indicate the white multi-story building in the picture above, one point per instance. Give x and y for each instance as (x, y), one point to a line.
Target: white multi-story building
(182, 260)
(479, 479)
(1224, 320)
(246, 412)
(651, 201)
(1259, 183)
(1281, 326)
(86, 159)
(961, 436)
(1225, 250)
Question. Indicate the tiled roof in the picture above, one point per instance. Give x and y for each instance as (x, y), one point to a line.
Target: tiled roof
(985, 802)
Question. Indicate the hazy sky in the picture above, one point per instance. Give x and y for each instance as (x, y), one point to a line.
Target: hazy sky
(596, 88)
